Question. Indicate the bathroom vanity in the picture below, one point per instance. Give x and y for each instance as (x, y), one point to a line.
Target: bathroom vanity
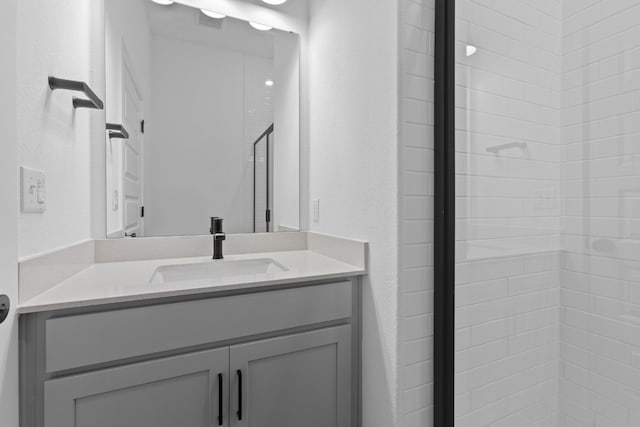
(145, 330)
(269, 339)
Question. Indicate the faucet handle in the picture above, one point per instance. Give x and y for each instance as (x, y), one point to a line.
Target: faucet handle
(216, 225)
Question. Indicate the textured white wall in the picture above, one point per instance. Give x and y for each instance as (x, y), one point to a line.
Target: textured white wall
(64, 39)
(8, 215)
(353, 79)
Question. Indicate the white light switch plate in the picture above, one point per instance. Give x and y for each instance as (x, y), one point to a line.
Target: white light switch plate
(33, 194)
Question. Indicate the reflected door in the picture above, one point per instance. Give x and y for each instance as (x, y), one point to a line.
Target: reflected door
(132, 156)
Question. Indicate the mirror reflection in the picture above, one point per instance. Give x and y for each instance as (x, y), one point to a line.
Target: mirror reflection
(205, 116)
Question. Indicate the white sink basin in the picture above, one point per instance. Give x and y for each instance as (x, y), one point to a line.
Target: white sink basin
(218, 269)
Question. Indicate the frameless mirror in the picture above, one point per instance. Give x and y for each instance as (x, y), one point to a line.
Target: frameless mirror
(203, 120)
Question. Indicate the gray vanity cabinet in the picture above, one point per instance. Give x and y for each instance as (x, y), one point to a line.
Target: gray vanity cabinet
(293, 381)
(285, 357)
(172, 392)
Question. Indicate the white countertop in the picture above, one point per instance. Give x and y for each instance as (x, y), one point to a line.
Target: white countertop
(112, 282)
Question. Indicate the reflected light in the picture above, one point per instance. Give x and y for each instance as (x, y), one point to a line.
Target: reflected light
(212, 14)
(471, 50)
(163, 2)
(269, 83)
(274, 2)
(260, 27)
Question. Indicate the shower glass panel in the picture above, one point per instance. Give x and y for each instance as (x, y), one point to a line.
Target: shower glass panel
(548, 213)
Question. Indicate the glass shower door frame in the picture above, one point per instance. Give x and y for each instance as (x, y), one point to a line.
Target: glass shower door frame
(444, 216)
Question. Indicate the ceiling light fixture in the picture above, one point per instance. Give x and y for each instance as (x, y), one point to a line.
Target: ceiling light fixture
(212, 14)
(163, 2)
(471, 50)
(260, 27)
(274, 2)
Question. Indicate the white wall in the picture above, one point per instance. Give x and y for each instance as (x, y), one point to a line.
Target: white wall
(60, 38)
(8, 215)
(286, 116)
(353, 89)
(97, 161)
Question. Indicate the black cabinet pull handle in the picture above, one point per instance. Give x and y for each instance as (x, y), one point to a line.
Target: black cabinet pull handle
(239, 413)
(220, 414)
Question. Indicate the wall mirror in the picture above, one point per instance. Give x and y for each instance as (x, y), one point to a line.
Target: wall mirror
(202, 116)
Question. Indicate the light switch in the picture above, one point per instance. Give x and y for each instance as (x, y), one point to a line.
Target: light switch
(115, 201)
(33, 190)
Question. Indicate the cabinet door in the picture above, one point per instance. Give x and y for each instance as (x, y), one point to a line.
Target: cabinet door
(172, 392)
(293, 381)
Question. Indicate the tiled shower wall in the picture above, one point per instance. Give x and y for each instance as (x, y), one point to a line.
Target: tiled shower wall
(416, 191)
(508, 137)
(508, 215)
(506, 341)
(508, 151)
(600, 276)
(548, 231)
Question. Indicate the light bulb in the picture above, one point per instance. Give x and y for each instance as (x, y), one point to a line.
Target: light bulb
(471, 50)
(212, 14)
(269, 83)
(260, 27)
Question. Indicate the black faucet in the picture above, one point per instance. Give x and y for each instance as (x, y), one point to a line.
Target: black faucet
(218, 236)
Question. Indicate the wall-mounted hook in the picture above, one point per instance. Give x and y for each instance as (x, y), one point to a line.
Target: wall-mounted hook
(117, 131)
(496, 149)
(93, 102)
